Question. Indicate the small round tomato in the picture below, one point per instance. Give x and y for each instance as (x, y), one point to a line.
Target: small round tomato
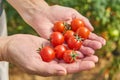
(74, 42)
(76, 23)
(59, 26)
(83, 32)
(56, 38)
(68, 34)
(59, 50)
(47, 54)
(70, 56)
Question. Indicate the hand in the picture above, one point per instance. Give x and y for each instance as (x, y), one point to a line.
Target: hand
(60, 13)
(43, 22)
(21, 49)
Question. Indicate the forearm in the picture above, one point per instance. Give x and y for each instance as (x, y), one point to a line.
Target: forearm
(29, 7)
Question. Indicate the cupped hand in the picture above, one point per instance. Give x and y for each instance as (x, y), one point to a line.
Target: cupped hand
(21, 50)
(43, 21)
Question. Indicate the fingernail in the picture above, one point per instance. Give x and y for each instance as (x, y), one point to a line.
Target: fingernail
(92, 29)
(61, 73)
(104, 42)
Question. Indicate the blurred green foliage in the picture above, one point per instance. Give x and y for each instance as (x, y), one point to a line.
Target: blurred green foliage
(103, 14)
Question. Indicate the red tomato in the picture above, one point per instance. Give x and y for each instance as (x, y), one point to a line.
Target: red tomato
(76, 23)
(74, 42)
(59, 26)
(68, 34)
(70, 56)
(83, 32)
(47, 54)
(59, 50)
(56, 38)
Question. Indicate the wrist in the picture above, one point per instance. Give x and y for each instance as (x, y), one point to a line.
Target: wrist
(3, 48)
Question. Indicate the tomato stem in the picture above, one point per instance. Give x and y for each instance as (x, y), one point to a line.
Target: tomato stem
(67, 26)
(39, 49)
(78, 37)
(48, 39)
(74, 56)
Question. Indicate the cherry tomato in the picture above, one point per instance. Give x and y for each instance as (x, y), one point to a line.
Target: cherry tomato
(76, 23)
(74, 42)
(59, 50)
(47, 54)
(83, 32)
(56, 38)
(59, 26)
(68, 34)
(70, 56)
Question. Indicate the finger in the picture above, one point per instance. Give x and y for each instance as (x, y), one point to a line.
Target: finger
(87, 23)
(78, 66)
(85, 20)
(87, 51)
(50, 69)
(92, 44)
(97, 38)
(91, 58)
(80, 55)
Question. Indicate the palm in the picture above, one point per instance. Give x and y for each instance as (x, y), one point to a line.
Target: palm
(43, 23)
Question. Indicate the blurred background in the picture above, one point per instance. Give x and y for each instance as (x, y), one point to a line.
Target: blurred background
(104, 16)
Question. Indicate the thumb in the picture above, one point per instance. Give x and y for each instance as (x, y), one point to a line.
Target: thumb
(85, 20)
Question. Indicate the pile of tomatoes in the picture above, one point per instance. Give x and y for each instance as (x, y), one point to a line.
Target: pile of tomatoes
(72, 34)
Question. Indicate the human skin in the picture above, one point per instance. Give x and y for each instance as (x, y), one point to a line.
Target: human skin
(21, 49)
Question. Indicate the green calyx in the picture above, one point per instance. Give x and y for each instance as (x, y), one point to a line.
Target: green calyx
(67, 26)
(78, 38)
(73, 56)
(39, 49)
